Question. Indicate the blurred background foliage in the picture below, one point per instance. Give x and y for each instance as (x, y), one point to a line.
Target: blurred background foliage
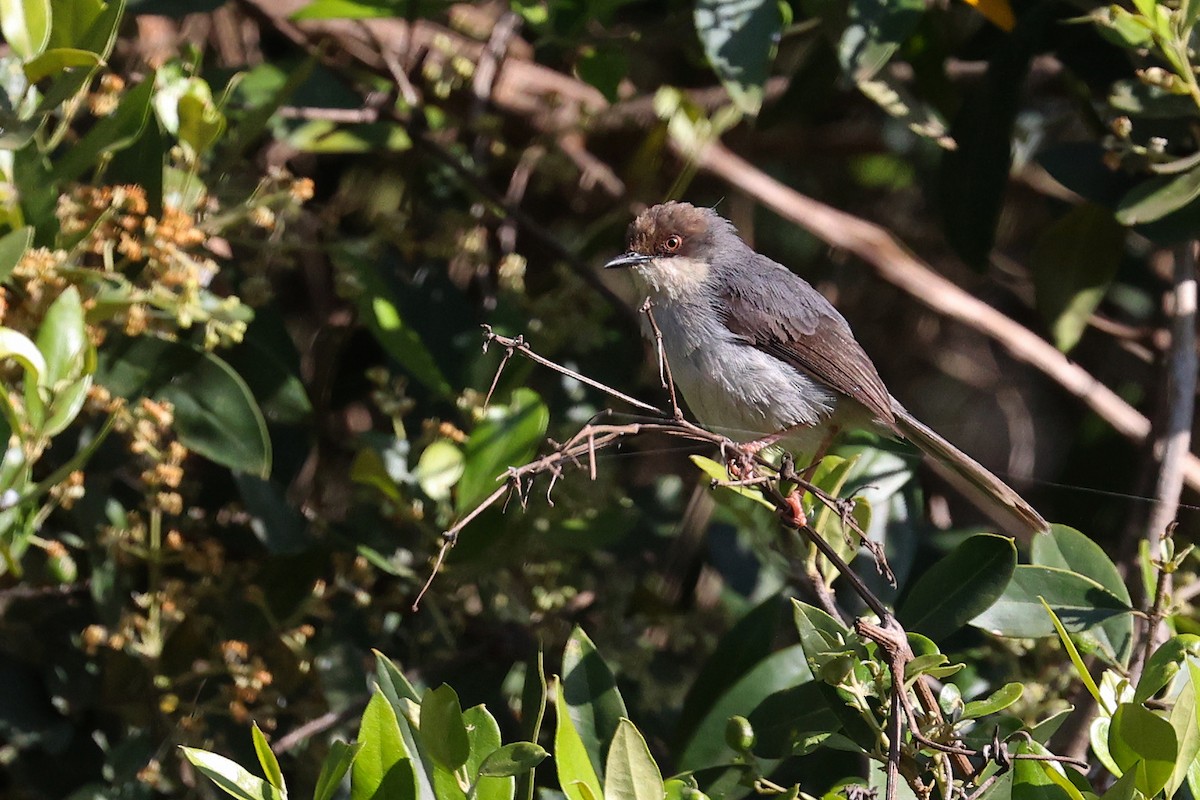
(247, 248)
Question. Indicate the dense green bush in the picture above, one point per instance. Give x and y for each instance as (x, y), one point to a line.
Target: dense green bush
(246, 253)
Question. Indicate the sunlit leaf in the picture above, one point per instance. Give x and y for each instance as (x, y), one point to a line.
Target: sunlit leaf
(739, 38)
(25, 25)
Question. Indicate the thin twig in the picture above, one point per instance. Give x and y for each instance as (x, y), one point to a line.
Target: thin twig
(664, 365)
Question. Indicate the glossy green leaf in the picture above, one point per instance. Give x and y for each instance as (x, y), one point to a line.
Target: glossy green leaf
(1164, 664)
(509, 437)
(630, 772)
(574, 767)
(997, 701)
(1125, 788)
(337, 763)
(440, 466)
(443, 732)
(789, 720)
(1067, 548)
(60, 59)
(267, 759)
(383, 767)
(593, 700)
(1079, 602)
(112, 133)
(1184, 717)
(1156, 197)
(706, 744)
(1037, 780)
(391, 681)
(483, 739)
(1139, 739)
(749, 641)
(230, 777)
(512, 759)
(12, 246)
(89, 25)
(739, 38)
(1073, 263)
(216, 416)
(534, 693)
(961, 586)
(25, 25)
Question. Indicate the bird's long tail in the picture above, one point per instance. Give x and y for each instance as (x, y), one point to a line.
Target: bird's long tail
(990, 494)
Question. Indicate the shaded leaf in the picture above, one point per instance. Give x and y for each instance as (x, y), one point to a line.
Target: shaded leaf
(1155, 198)
(572, 763)
(508, 438)
(790, 717)
(443, 733)
(1073, 263)
(590, 692)
(513, 759)
(961, 586)
(1140, 740)
(112, 133)
(337, 763)
(739, 38)
(998, 700)
(1164, 664)
(1079, 602)
(383, 767)
(12, 246)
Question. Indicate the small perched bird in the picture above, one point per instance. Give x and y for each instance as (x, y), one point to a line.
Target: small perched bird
(758, 353)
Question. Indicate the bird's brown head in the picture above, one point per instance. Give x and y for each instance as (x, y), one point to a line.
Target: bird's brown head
(672, 246)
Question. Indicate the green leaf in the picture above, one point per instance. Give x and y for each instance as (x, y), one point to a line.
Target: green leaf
(201, 123)
(392, 682)
(483, 739)
(266, 758)
(998, 700)
(88, 25)
(443, 732)
(630, 772)
(706, 745)
(346, 9)
(875, 30)
(961, 586)
(112, 133)
(1067, 548)
(379, 309)
(337, 763)
(739, 38)
(1079, 602)
(383, 767)
(512, 759)
(1076, 660)
(1184, 717)
(12, 246)
(590, 691)
(1164, 664)
(230, 776)
(216, 416)
(20, 348)
(62, 338)
(788, 721)
(507, 438)
(1073, 263)
(748, 642)
(59, 60)
(1157, 197)
(576, 775)
(440, 466)
(25, 25)
(1139, 739)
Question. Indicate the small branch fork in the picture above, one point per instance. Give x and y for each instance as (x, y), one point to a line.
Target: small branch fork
(580, 450)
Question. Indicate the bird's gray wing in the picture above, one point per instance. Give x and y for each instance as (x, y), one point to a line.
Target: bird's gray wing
(776, 311)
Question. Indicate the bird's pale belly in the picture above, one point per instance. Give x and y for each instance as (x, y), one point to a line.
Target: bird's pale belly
(745, 394)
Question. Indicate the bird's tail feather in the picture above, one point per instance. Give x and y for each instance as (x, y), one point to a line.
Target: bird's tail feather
(990, 494)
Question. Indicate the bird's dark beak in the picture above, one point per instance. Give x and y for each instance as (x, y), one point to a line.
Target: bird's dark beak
(630, 259)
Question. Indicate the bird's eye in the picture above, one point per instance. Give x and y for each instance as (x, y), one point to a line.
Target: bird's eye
(673, 243)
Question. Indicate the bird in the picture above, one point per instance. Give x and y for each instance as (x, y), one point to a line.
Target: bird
(757, 352)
